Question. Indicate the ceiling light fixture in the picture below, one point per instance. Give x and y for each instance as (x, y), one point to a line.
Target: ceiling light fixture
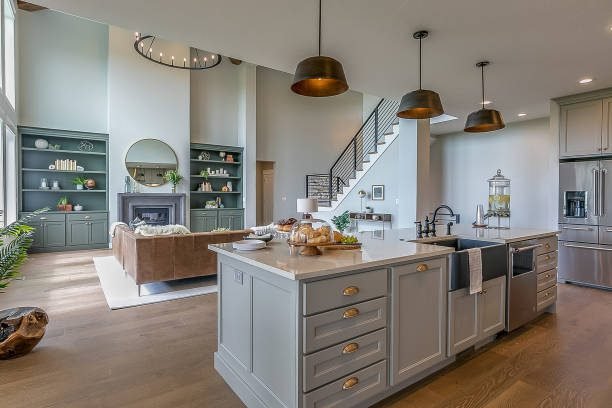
(319, 76)
(422, 103)
(484, 120)
(520, 115)
(149, 40)
(584, 81)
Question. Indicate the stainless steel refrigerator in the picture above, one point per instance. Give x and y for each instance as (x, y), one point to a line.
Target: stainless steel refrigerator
(585, 221)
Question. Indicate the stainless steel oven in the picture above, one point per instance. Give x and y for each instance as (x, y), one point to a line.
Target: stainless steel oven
(522, 284)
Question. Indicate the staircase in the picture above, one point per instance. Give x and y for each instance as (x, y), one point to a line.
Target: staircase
(376, 134)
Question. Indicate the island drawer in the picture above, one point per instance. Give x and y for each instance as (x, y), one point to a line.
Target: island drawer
(577, 233)
(549, 244)
(332, 293)
(350, 390)
(547, 279)
(333, 327)
(334, 362)
(546, 261)
(546, 298)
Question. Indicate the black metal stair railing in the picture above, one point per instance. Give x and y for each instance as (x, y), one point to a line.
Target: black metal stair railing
(326, 187)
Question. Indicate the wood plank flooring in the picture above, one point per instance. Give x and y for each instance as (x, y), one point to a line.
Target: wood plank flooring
(161, 355)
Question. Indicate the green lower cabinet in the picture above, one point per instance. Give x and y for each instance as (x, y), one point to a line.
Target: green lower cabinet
(69, 231)
(55, 234)
(208, 220)
(203, 221)
(99, 232)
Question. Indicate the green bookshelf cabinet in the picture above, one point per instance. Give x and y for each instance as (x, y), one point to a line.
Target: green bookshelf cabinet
(232, 214)
(64, 230)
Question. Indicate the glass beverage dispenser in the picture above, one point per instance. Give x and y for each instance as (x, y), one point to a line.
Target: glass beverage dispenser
(498, 215)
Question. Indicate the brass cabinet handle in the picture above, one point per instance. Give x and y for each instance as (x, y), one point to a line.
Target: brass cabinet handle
(547, 246)
(547, 257)
(422, 267)
(43, 218)
(350, 383)
(350, 291)
(350, 313)
(350, 348)
(87, 217)
(548, 275)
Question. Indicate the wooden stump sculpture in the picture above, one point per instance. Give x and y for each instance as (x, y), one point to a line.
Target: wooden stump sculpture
(21, 329)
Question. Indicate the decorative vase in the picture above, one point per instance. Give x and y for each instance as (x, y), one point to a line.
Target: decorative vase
(22, 329)
(90, 184)
(173, 189)
(78, 207)
(41, 144)
(79, 186)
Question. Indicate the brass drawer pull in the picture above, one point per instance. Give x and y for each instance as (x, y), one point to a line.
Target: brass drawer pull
(547, 246)
(350, 291)
(350, 313)
(548, 275)
(350, 348)
(547, 257)
(422, 267)
(350, 383)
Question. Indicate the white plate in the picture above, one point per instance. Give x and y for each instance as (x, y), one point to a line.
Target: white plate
(249, 245)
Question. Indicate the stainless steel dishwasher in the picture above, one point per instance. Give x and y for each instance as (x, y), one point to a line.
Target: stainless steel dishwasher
(522, 284)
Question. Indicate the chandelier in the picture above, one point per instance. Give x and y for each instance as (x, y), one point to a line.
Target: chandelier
(160, 51)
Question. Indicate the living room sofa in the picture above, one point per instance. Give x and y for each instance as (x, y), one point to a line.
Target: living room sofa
(169, 257)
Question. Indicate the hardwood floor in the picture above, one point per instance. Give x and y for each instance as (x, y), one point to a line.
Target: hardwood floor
(161, 355)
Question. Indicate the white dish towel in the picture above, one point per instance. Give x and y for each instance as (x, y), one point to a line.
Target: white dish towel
(475, 265)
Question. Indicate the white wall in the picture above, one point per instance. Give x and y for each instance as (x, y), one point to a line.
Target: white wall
(63, 72)
(215, 104)
(145, 100)
(526, 152)
(301, 135)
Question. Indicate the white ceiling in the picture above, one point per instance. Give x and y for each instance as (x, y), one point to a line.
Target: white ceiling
(538, 49)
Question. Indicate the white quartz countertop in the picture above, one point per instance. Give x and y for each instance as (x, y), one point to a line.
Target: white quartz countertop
(379, 249)
(505, 236)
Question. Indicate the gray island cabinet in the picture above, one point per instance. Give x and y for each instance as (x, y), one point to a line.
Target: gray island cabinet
(344, 329)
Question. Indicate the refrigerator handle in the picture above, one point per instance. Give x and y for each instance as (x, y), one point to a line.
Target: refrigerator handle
(602, 192)
(596, 191)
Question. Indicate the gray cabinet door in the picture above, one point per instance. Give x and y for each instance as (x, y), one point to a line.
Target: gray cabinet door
(54, 234)
(606, 131)
(38, 237)
(98, 232)
(226, 221)
(492, 305)
(463, 317)
(581, 129)
(78, 232)
(418, 323)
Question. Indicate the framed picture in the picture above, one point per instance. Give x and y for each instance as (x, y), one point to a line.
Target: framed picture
(378, 192)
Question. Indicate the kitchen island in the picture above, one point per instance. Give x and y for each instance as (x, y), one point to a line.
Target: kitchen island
(344, 329)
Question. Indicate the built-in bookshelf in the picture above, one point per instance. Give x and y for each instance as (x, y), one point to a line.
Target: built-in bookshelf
(82, 229)
(222, 173)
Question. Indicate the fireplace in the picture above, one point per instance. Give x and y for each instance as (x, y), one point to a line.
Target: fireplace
(153, 208)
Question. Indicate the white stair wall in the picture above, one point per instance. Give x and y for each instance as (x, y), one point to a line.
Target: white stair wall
(368, 162)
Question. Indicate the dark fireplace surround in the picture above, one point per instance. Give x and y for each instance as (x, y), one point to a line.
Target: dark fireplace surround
(131, 205)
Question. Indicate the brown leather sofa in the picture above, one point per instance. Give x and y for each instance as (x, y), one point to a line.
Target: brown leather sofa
(169, 257)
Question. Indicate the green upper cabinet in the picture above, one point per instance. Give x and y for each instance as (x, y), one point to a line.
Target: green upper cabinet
(224, 167)
(40, 151)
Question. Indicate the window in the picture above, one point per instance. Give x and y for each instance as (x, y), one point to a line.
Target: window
(10, 175)
(9, 51)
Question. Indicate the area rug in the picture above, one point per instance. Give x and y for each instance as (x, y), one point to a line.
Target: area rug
(121, 291)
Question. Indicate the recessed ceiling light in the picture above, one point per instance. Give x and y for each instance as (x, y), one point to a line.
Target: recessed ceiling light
(585, 81)
(520, 115)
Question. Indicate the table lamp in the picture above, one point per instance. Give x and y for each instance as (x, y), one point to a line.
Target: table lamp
(306, 206)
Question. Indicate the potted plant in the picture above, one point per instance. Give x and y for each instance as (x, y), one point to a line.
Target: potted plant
(63, 204)
(342, 221)
(21, 327)
(174, 178)
(205, 174)
(79, 182)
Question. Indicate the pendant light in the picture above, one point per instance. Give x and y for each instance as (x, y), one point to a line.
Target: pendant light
(422, 103)
(484, 120)
(319, 76)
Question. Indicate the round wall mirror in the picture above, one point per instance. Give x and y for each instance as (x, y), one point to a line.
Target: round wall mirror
(148, 160)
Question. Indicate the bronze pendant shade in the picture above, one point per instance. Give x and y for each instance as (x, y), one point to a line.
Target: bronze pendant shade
(484, 120)
(319, 76)
(422, 103)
